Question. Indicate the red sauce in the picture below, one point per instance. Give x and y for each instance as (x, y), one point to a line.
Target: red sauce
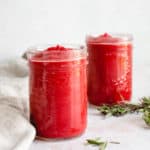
(58, 92)
(109, 69)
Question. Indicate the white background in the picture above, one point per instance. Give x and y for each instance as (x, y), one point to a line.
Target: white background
(24, 23)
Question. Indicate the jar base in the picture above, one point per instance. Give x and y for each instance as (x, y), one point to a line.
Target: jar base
(54, 138)
(99, 103)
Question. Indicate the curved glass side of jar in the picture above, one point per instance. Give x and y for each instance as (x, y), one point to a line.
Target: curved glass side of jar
(58, 92)
(110, 69)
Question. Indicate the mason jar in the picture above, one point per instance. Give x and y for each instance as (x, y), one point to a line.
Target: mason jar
(109, 68)
(58, 90)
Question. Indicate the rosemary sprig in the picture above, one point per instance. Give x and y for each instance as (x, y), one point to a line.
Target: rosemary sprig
(101, 144)
(126, 108)
(97, 142)
(118, 109)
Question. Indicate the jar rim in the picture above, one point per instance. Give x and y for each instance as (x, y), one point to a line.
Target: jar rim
(124, 38)
(75, 52)
(44, 46)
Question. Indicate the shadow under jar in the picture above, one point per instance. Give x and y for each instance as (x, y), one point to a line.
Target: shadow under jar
(58, 90)
(109, 68)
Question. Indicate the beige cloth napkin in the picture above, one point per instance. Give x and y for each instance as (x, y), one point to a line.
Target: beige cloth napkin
(16, 133)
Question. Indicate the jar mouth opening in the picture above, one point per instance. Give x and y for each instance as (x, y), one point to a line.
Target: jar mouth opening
(41, 47)
(70, 52)
(113, 39)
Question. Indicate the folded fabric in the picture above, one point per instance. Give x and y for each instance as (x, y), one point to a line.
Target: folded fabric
(16, 132)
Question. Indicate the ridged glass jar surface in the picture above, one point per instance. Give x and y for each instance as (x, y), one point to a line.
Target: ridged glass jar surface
(58, 90)
(109, 68)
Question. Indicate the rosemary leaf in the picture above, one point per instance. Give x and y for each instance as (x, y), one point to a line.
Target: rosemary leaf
(114, 142)
(146, 117)
(103, 146)
(94, 142)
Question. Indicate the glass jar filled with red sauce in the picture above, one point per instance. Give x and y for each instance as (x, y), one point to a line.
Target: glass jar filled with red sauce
(58, 90)
(109, 68)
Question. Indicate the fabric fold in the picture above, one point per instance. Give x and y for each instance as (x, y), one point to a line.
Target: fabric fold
(16, 132)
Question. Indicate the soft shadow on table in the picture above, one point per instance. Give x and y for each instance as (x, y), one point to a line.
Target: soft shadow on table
(92, 106)
(56, 139)
(92, 110)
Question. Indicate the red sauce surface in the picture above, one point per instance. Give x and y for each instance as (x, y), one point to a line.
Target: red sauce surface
(109, 69)
(58, 94)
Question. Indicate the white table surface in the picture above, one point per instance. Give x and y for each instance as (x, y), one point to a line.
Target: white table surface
(129, 130)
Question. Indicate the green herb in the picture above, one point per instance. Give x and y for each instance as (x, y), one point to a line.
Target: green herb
(114, 142)
(99, 143)
(118, 109)
(94, 141)
(146, 116)
(103, 146)
(126, 108)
